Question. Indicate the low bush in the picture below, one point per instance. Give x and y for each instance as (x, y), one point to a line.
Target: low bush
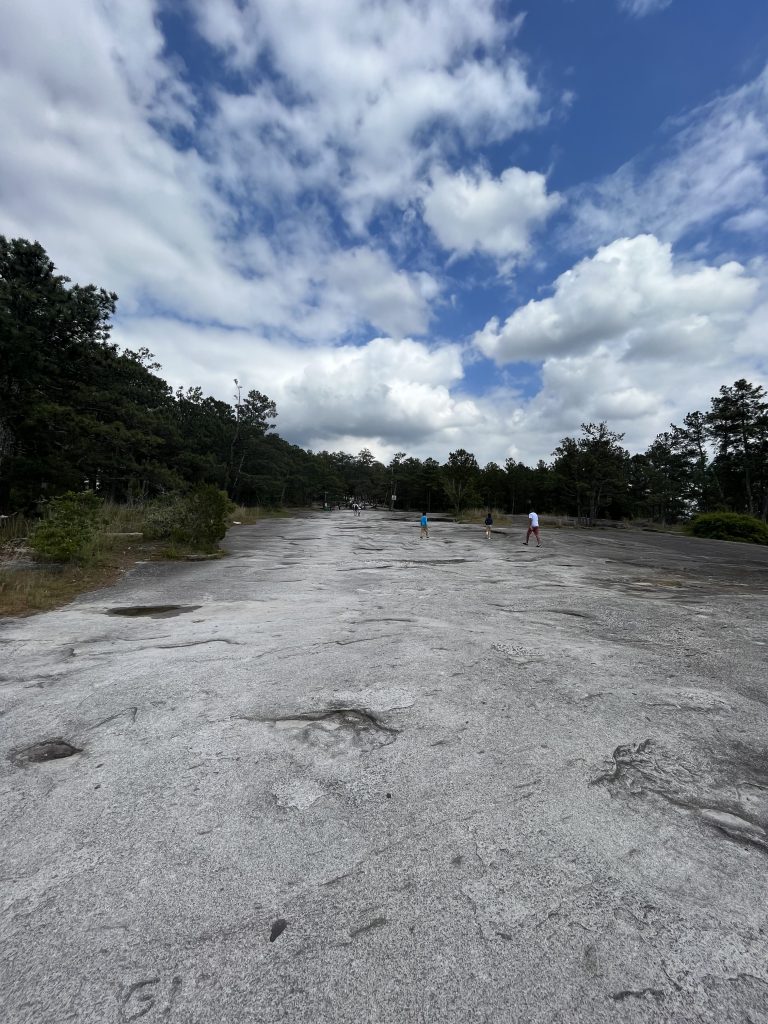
(68, 530)
(162, 516)
(206, 518)
(729, 526)
(198, 519)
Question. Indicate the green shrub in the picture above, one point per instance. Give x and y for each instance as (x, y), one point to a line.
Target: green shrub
(206, 517)
(69, 528)
(162, 516)
(198, 519)
(729, 526)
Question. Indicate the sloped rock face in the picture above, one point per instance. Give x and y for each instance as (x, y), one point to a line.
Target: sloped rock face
(344, 776)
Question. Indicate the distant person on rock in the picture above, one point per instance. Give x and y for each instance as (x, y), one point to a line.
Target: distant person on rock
(488, 525)
(533, 528)
(424, 526)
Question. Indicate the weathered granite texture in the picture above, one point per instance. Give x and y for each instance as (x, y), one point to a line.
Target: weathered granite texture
(345, 775)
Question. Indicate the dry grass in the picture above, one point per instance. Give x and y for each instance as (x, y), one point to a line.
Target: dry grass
(245, 515)
(38, 589)
(116, 548)
(477, 515)
(13, 529)
(26, 591)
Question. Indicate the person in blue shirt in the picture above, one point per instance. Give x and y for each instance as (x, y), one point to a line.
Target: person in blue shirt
(424, 526)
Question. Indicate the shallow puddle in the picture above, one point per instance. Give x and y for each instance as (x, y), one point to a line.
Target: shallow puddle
(154, 611)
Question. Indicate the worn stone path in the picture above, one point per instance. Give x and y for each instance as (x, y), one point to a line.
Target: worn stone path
(346, 775)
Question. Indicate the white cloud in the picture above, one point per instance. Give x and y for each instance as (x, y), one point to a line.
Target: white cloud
(472, 211)
(367, 94)
(632, 337)
(639, 400)
(751, 220)
(388, 394)
(640, 8)
(365, 281)
(629, 294)
(86, 169)
(713, 166)
(236, 226)
(239, 230)
(392, 394)
(83, 171)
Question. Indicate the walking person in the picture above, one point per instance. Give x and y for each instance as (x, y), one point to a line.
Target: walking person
(533, 528)
(488, 525)
(424, 526)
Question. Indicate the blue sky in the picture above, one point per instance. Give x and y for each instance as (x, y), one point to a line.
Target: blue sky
(416, 225)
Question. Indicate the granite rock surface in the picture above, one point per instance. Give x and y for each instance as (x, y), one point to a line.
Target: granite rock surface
(347, 775)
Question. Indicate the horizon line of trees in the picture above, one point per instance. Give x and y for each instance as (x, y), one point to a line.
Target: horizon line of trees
(76, 413)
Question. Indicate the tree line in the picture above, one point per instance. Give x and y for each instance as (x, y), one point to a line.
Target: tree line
(76, 414)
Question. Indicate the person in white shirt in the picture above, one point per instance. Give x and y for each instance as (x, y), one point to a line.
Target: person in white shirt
(533, 528)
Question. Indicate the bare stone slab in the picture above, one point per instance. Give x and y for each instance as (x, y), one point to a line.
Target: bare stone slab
(345, 775)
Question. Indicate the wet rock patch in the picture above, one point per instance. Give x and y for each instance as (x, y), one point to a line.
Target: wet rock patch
(153, 611)
(47, 750)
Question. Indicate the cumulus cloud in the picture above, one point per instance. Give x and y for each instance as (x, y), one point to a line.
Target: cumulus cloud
(634, 337)
(90, 170)
(387, 394)
(80, 168)
(713, 166)
(365, 96)
(630, 293)
(639, 400)
(242, 226)
(472, 211)
(363, 279)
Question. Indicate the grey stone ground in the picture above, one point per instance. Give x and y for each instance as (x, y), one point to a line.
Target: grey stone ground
(365, 777)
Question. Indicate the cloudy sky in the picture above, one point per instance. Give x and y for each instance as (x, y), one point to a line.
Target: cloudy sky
(416, 225)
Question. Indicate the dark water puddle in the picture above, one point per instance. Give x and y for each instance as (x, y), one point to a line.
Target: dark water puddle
(154, 611)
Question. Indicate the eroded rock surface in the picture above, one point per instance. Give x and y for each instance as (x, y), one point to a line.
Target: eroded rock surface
(347, 776)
